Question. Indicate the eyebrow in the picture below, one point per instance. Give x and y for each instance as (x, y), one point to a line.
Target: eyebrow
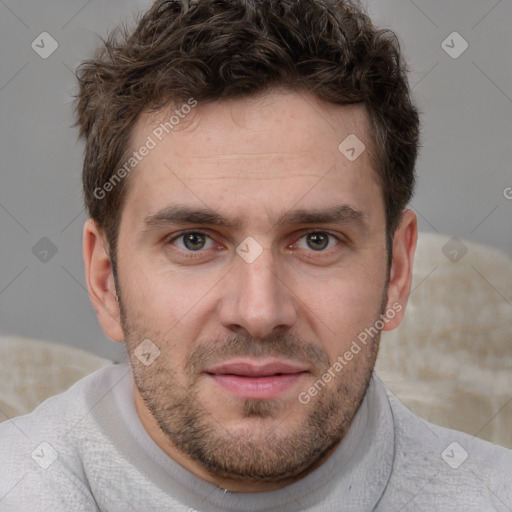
(341, 214)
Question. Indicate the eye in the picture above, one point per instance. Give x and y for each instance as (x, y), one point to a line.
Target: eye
(193, 241)
(318, 241)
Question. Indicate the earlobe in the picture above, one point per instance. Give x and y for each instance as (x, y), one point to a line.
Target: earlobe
(100, 281)
(404, 245)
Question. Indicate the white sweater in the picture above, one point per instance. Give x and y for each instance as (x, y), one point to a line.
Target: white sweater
(86, 450)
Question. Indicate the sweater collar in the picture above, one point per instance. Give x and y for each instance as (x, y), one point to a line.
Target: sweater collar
(353, 478)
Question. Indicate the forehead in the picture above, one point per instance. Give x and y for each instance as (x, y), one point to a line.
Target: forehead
(262, 149)
(279, 122)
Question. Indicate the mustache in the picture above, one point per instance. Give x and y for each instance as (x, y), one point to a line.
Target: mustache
(287, 346)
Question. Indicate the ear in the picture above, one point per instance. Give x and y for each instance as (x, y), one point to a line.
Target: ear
(100, 281)
(404, 245)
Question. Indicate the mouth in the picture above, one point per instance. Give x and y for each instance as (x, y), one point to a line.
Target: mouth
(257, 381)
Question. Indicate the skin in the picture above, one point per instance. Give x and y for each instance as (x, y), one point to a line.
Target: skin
(299, 301)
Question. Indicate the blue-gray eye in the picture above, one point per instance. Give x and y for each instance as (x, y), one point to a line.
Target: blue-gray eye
(317, 241)
(193, 241)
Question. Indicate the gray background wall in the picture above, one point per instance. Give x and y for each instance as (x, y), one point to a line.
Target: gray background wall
(464, 169)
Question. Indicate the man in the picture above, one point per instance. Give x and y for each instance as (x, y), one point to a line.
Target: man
(247, 169)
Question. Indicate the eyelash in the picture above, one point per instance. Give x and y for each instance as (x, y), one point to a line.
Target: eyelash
(199, 253)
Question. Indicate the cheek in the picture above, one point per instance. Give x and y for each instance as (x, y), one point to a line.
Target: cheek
(169, 308)
(165, 297)
(343, 308)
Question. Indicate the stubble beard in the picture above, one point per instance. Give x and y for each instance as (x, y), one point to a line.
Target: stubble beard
(265, 448)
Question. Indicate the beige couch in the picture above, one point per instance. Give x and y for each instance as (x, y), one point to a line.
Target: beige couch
(450, 361)
(33, 370)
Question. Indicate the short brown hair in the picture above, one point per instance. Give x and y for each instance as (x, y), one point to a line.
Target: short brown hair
(217, 49)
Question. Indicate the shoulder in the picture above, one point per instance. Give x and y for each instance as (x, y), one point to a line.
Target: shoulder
(436, 468)
(57, 414)
(40, 451)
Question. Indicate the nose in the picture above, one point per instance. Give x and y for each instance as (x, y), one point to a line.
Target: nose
(257, 301)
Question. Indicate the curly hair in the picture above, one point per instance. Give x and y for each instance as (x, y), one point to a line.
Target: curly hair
(216, 49)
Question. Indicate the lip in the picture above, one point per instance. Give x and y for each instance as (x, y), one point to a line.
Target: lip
(249, 379)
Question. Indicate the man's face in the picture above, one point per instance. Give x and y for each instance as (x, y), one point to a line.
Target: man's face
(250, 311)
